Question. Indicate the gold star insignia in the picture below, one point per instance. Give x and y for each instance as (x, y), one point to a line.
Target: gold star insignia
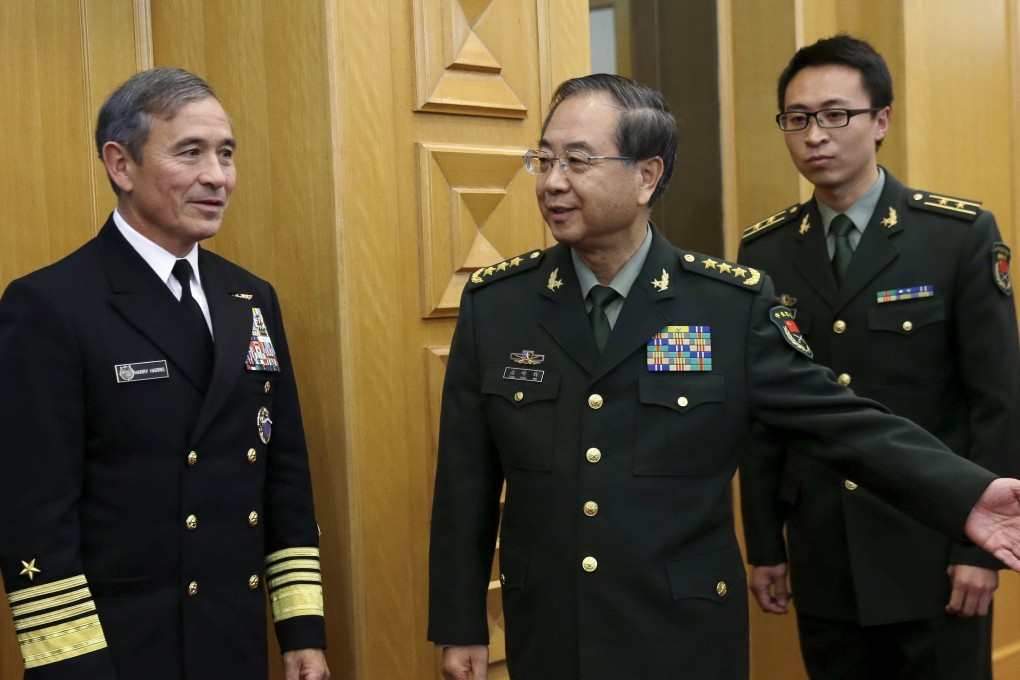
(961, 204)
(891, 220)
(725, 267)
(709, 263)
(502, 266)
(489, 271)
(30, 570)
(554, 280)
(804, 226)
(662, 284)
(740, 272)
(943, 201)
(516, 261)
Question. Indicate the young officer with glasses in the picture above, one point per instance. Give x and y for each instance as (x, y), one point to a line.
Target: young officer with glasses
(906, 296)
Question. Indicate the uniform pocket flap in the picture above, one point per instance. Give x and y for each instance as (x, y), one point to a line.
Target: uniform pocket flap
(681, 393)
(520, 387)
(711, 576)
(907, 316)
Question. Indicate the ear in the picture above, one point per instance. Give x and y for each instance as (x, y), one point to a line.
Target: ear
(650, 170)
(119, 165)
(882, 123)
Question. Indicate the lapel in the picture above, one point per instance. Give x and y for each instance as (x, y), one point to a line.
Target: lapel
(562, 312)
(877, 249)
(812, 256)
(232, 327)
(147, 304)
(644, 311)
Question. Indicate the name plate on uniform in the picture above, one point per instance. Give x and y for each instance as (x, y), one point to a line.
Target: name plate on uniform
(526, 374)
(144, 370)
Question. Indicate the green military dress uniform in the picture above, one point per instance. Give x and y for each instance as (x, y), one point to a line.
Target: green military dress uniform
(924, 323)
(618, 557)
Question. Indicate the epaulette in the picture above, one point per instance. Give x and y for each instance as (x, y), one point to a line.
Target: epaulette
(721, 270)
(769, 223)
(945, 205)
(501, 270)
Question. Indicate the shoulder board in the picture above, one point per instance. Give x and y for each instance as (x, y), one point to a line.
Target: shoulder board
(721, 270)
(945, 205)
(501, 270)
(769, 223)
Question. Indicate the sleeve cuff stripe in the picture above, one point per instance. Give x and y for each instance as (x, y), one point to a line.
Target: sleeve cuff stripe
(314, 580)
(47, 589)
(66, 614)
(62, 600)
(299, 600)
(292, 553)
(293, 565)
(58, 643)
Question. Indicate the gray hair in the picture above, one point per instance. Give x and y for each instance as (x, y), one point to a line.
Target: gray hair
(127, 114)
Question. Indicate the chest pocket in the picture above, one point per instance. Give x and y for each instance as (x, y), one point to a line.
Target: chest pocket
(681, 415)
(522, 417)
(906, 318)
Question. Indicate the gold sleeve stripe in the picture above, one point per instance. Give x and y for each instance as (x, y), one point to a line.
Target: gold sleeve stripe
(296, 577)
(291, 553)
(61, 600)
(297, 600)
(58, 643)
(47, 589)
(54, 616)
(291, 565)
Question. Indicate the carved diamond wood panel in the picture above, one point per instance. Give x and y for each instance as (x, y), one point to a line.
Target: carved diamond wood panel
(462, 66)
(477, 208)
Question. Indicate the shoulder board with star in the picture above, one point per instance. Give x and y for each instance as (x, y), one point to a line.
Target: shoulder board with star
(960, 208)
(732, 273)
(777, 220)
(501, 270)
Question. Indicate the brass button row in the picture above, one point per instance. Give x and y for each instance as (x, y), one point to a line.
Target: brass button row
(840, 326)
(191, 521)
(253, 583)
(192, 458)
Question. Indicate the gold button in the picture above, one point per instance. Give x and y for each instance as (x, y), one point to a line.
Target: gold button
(192, 459)
(688, 258)
(191, 522)
(589, 564)
(595, 401)
(193, 589)
(518, 396)
(253, 518)
(839, 326)
(907, 326)
(268, 387)
(253, 455)
(253, 580)
(918, 197)
(850, 486)
(682, 402)
(593, 455)
(591, 508)
(844, 379)
(721, 589)
(502, 579)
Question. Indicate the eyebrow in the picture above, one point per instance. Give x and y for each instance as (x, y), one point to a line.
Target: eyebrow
(570, 146)
(202, 141)
(827, 104)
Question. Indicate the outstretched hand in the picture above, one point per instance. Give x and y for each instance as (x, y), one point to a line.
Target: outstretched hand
(994, 521)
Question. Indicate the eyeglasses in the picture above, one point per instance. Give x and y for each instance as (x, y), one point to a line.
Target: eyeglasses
(791, 121)
(578, 162)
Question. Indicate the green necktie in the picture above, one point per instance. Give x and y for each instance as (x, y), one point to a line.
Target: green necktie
(841, 227)
(600, 297)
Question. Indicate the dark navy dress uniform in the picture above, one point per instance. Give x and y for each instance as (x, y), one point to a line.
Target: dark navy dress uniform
(924, 323)
(618, 557)
(142, 516)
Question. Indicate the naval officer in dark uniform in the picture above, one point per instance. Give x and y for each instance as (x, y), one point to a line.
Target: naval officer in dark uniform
(906, 295)
(153, 472)
(610, 382)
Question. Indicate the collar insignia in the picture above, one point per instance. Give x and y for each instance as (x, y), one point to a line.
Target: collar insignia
(890, 221)
(662, 284)
(805, 225)
(554, 281)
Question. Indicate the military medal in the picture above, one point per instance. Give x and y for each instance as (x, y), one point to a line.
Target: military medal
(265, 425)
(261, 353)
(527, 357)
(898, 294)
(680, 348)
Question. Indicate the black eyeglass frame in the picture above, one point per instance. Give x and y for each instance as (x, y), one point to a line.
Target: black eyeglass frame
(850, 113)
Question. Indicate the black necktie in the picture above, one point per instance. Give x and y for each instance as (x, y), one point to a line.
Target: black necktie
(841, 227)
(600, 297)
(182, 272)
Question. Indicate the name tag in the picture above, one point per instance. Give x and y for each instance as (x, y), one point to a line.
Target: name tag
(145, 370)
(527, 374)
